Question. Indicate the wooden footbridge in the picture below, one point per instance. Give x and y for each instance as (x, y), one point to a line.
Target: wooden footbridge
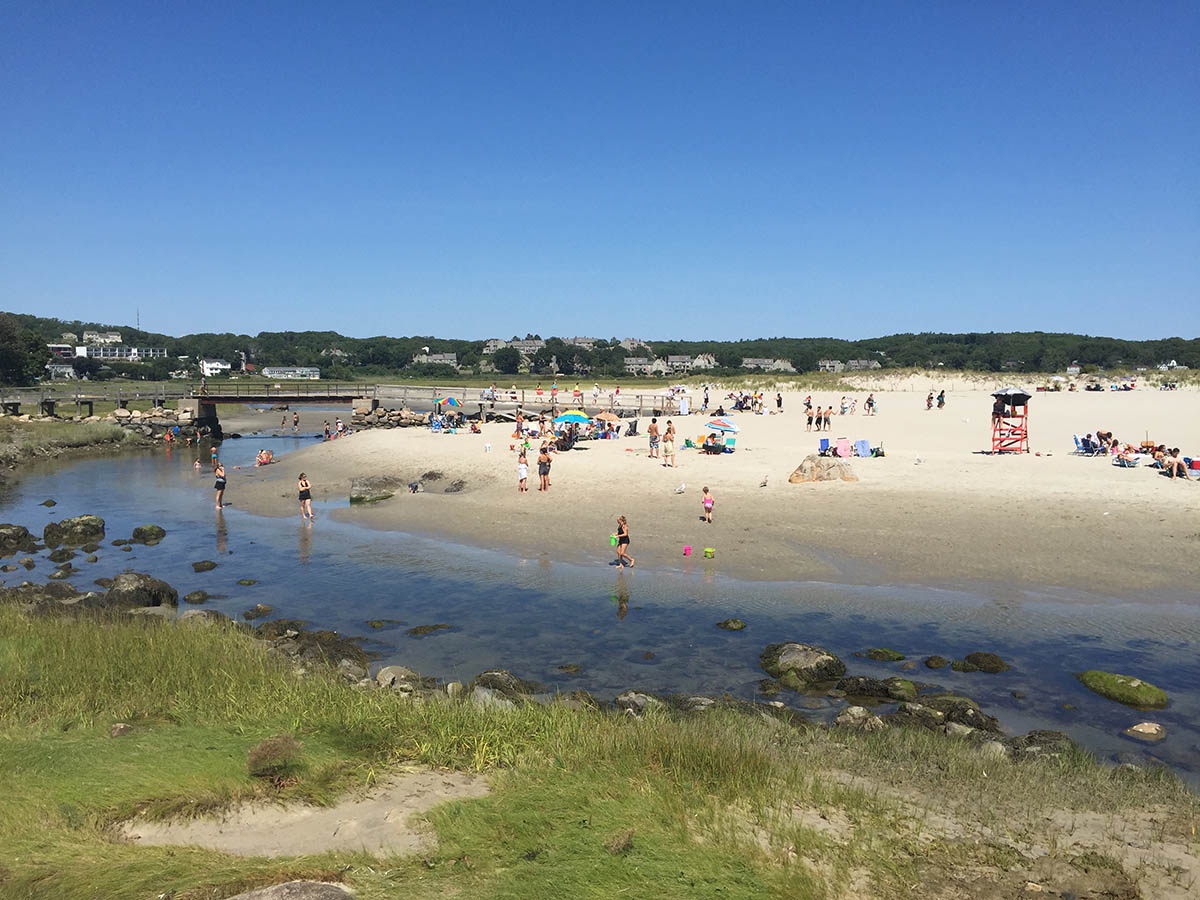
(82, 398)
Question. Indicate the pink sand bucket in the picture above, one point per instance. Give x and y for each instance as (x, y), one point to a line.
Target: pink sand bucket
(687, 549)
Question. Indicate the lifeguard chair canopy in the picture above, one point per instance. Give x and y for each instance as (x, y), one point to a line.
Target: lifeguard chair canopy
(1013, 396)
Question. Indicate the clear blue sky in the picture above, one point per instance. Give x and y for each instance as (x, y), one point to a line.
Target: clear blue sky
(662, 170)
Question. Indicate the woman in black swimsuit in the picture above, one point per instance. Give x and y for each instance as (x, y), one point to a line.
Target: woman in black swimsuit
(305, 491)
(623, 543)
(219, 486)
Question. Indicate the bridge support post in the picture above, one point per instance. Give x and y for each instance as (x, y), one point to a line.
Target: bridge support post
(203, 414)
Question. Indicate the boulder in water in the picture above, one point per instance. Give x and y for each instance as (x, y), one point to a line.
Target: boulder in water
(74, 531)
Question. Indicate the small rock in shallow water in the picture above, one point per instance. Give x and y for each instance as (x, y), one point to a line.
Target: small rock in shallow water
(205, 565)
(732, 624)
(247, 582)
(1151, 732)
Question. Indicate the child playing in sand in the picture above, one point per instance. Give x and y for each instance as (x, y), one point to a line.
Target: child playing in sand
(707, 500)
(522, 474)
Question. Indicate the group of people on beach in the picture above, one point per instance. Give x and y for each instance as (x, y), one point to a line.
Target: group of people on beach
(664, 440)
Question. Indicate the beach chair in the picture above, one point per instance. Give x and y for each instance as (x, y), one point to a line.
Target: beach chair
(823, 447)
(1084, 447)
(862, 448)
(1125, 463)
(843, 447)
(730, 444)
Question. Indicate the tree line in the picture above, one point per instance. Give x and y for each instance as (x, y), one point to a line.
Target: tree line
(23, 353)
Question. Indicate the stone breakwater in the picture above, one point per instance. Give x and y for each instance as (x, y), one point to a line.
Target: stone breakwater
(387, 418)
(157, 421)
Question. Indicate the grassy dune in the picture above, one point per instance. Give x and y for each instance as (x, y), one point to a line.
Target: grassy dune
(584, 803)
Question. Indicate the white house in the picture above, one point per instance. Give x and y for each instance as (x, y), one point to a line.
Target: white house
(704, 361)
(766, 364)
(830, 365)
(210, 368)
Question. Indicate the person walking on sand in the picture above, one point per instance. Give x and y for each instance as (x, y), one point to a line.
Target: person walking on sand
(652, 433)
(828, 415)
(669, 445)
(304, 492)
(707, 501)
(522, 473)
(623, 543)
(543, 464)
(941, 399)
(929, 400)
(295, 422)
(219, 484)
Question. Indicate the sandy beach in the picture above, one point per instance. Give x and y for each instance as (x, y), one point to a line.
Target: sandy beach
(937, 509)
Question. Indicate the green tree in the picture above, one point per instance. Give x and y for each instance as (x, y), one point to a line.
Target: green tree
(23, 354)
(507, 360)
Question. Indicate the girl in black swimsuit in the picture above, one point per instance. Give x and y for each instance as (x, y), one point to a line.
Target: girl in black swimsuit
(219, 484)
(623, 543)
(305, 493)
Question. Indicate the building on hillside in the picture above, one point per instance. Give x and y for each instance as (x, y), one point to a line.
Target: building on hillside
(63, 351)
(491, 345)
(1074, 369)
(120, 352)
(302, 373)
(527, 348)
(767, 365)
(639, 365)
(211, 368)
(336, 353)
(634, 344)
(437, 359)
(58, 370)
(679, 363)
(704, 361)
(583, 343)
(69, 337)
(861, 365)
(102, 337)
(830, 365)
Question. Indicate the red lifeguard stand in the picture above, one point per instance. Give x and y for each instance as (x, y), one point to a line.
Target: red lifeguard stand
(1010, 421)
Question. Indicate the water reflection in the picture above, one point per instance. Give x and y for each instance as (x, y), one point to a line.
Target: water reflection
(305, 542)
(621, 594)
(222, 533)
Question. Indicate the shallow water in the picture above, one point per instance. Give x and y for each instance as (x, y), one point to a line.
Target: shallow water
(650, 630)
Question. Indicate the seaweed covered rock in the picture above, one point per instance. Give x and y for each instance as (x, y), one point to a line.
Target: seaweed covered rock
(136, 589)
(987, 662)
(884, 654)
(148, 534)
(16, 539)
(74, 532)
(799, 665)
(373, 488)
(858, 718)
(885, 688)
(1124, 689)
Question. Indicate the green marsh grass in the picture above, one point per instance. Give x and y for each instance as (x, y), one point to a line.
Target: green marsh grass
(728, 803)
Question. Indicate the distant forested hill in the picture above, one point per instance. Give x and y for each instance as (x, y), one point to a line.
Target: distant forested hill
(343, 357)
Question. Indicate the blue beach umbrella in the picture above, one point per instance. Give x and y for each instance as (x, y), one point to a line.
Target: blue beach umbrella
(573, 415)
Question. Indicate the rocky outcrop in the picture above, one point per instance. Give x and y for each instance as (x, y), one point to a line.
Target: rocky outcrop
(16, 539)
(822, 468)
(73, 532)
(373, 488)
(800, 665)
(136, 589)
(155, 422)
(886, 689)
